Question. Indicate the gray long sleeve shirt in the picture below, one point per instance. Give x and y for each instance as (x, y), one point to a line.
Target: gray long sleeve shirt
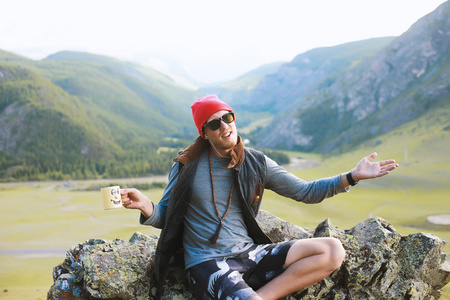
(201, 220)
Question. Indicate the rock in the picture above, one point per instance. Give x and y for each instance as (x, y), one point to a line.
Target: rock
(99, 269)
(279, 230)
(380, 264)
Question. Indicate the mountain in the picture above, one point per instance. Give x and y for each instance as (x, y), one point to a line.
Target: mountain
(279, 90)
(79, 115)
(341, 101)
(260, 95)
(12, 57)
(239, 89)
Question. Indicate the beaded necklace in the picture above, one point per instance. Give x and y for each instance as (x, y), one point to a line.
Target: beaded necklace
(213, 240)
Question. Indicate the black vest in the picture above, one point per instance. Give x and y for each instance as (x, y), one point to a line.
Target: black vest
(250, 179)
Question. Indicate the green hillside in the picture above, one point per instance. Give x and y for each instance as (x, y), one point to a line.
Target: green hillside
(77, 115)
(342, 132)
(12, 57)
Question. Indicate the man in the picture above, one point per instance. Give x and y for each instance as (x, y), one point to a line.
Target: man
(209, 207)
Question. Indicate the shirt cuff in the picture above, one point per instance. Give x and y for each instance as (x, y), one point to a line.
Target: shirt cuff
(341, 188)
(154, 219)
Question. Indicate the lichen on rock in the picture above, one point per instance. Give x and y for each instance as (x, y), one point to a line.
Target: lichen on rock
(380, 264)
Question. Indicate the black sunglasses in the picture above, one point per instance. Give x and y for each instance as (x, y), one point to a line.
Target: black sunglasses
(216, 123)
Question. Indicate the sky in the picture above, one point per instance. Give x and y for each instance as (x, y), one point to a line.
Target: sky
(210, 40)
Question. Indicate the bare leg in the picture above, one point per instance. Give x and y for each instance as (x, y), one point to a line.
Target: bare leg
(307, 262)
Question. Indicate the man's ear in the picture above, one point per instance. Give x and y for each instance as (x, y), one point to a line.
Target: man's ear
(206, 137)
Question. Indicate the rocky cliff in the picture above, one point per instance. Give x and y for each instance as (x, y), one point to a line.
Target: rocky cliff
(365, 97)
(380, 264)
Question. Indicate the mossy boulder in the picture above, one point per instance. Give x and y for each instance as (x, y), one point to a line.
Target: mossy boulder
(380, 264)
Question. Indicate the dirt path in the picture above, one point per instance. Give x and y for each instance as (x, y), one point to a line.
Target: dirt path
(299, 163)
(439, 219)
(49, 184)
(28, 252)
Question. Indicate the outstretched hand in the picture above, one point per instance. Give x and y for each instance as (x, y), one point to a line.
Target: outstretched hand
(366, 169)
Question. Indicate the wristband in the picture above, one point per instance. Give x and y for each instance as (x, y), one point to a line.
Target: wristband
(350, 179)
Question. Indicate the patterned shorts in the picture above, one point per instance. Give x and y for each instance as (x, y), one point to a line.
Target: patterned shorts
(237, 277)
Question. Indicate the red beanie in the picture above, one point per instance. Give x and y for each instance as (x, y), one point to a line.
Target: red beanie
(204, 107)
